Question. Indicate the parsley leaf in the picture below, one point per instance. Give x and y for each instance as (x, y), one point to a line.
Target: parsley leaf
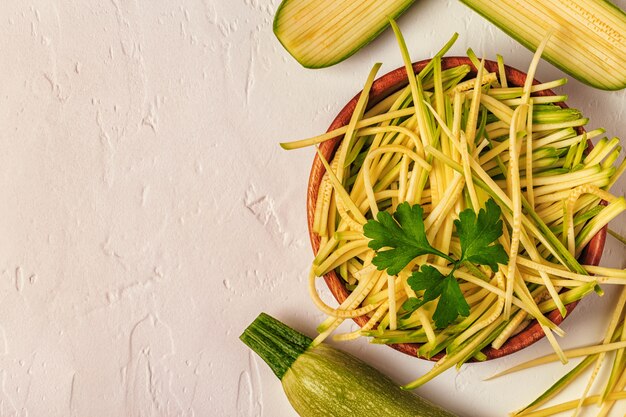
(409, 306)
(400, 238)
(478, 234)
(403, 233)
(429, 279)
(451, 303)
(435, 285)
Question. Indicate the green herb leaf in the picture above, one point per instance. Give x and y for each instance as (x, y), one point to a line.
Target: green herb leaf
(410, 305)
(435, 285)
(451, 303)
(478, 234)
(403, 233)
(402, 238)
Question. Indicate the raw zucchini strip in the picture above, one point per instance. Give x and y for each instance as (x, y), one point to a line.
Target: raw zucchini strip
(588, 42)
(319, 34)
(570, 354)
(570, 405)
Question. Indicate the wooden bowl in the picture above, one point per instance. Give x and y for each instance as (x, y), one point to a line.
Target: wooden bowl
(382, 87)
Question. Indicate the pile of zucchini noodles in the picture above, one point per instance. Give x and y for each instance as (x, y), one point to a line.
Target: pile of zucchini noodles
(450, 141)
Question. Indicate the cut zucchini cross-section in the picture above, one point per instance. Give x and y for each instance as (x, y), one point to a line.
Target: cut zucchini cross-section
(588, 36)
(321, 33)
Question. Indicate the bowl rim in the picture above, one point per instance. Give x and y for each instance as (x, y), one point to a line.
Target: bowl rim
(382, 87)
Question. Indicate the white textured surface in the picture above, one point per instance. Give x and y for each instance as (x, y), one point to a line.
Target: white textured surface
(148, 214)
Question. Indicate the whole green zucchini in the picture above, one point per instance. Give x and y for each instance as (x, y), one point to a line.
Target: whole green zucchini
(321, 381)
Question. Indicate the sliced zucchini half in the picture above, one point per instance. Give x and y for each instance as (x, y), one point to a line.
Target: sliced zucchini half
(321, 33)
(588, 38)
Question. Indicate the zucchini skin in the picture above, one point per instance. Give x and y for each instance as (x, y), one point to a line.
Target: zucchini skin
(326, 382)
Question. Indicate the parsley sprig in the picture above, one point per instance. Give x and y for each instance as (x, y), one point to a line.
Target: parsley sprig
(399, 238)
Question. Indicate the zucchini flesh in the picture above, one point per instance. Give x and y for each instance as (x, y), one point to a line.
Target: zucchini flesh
(321, 33)
(321, 381)
(588, 36)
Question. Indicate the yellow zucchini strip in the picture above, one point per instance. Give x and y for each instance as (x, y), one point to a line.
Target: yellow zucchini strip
(614, 276)
(462, 148)
(398, 129)
(449, 198)
(570, 405)
(385, 105)
(383, 138)
(341, 192)
(388, 161)
(380, 195)
(598, 153)
(514, 189)
(467, 172)
(467, 85)
(391, 288)
(546, 325)
(597, 223)
(329, 311)
(402, 180)
(493, 311)
(501, 111)
(519, 91)
(434, 229)
(343, 213)
(618, 173)
(502, 71)
(529, 160)
(357, 114)
(569, 353)
(614, 377)
(529, 244)
(532, 68)
(425, 320)
(449, 360)
(366, 169)
(519, 283)
(341, 255)
(317, 215)
(325, 194)
(326, 247)
(608, 405)
(536, 100)
(353, 301)
(568, 217)
(517, 321)
(315, 140)
(380, 312)
(609, 272)
(617, 313)
(414, 83)
(472, 117)
(567, 283)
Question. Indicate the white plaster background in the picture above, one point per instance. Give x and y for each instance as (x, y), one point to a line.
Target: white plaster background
(148, 214)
